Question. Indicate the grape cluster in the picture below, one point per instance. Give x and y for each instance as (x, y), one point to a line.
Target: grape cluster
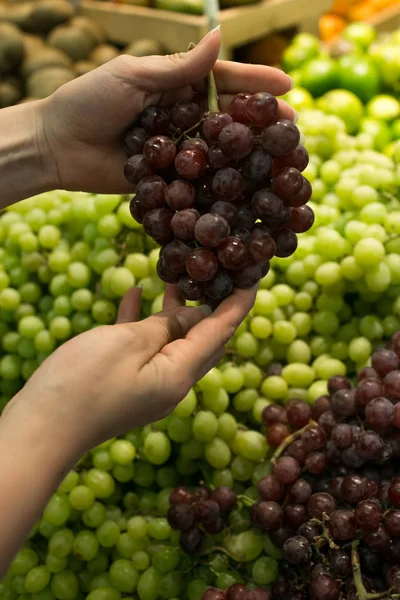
(237, 591)
(222, 193)
(203, 511)
(332, 500)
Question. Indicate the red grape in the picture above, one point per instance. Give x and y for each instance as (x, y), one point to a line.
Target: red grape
(155, 120)
(232, 253)
(159, 151)
(237, 107)
(183, 224)
(202, 264)
(301, 219)
(150, 191)
(185, 114)
(136, 167)
(211, 229)
(190, 164)
(280, 138)
(228, 184)
(262, 108)
(135, 139)
(236, 140)
(213, 125)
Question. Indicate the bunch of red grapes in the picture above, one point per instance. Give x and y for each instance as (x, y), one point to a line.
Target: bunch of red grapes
(197, 513)
(237, 591)
(221, 193)
(332, 501)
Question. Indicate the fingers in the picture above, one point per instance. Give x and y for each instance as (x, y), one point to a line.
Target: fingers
(129, 308)
(232, 78)
(161, 73)
(206, 341)
(172, 298)
(163, 328)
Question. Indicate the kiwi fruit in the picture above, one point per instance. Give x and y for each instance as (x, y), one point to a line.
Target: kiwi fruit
(73, 41)
(17, 14)
(102, 54)
(47, 14)
(44, 82)
(32, 44)
(43, 58)
(9, 94)
(11, 47)
(144, 47)
(91, 28)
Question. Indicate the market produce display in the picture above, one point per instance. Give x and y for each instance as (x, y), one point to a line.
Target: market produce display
(358, 62)
(221, 202)
(43, 45)
(276, 478)
(343, 11)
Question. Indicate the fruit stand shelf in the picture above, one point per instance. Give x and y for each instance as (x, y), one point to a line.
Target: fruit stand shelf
(387, 20)
(175, 31)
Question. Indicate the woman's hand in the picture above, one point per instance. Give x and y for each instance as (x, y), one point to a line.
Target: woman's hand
(118, 377)
(84, 121)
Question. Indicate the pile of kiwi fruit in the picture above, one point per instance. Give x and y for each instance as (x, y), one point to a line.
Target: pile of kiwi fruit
(43, 45)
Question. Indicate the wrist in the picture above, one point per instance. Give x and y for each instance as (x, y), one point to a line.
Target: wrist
(26, 161)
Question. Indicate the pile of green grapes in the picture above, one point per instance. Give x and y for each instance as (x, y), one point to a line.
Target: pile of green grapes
(65, 262)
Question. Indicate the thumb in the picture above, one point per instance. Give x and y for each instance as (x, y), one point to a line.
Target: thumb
(162, 73)
(163, 328)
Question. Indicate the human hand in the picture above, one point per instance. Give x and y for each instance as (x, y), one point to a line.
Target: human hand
(84, 121)
(114, 378)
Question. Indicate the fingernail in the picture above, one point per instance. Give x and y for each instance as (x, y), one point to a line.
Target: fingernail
(295, 116)
(205, 309)
(291, 83)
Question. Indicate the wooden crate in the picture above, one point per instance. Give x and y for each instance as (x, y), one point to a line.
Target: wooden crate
(175, 31)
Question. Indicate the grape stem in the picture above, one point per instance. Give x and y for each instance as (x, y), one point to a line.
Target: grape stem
(247, 501)
(362, 593)
(212, 93)
(325, 537)
(289, 440)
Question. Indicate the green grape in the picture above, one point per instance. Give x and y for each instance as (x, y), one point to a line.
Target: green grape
(179, 429)
(101, 483)
(104, 593)
(148, 585)
(187, 406)
(123, 575)
(244, 400)
(10, 299)
(159, 529)
(166, 477)
(274, 387)
(137, 527)
(56, 565)
(25, 560)
(157, 447)
(216, 400)
(108, 534)
(166, 559)
(251, 445)
(196, 588)
(242, 468)
(265, 570)
(60, 328)
(138, 265)
(58, 509)
(65, 585)
(86, 545)
(205, 426)
(69, 482)
(95, 515)
(211, 381)
(171, 584)
(261, 327)
(122, 452)
(217, 453)
(144, 474)
(246, 344)
(233, 379)
(123, 473)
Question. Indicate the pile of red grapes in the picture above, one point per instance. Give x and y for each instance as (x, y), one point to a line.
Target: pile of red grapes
(221, 193)
(332, 501)
(237, 591)
(197, 513)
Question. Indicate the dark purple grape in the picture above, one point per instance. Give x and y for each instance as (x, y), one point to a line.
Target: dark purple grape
(338, 382)
(136, 168)
(225, 497)
(300, 491)
(301, 218)
(183, 224)
(298, 159)
(354, 488)
(159, 151)
(165, 274)
(227, 210)
(202, 264)
(219, 287)
(297, 451)
(286, 469)
(213, 594)
(261, 247)
(368, 389)
(392, 385)
(135, 139)
(343, 403)
(299, 413)
(181, 495)
(274, 413)
(341, 563)
(155, 120)
(181, 517)
(180, 194)
(287, 183)
(285, 241)
(195, 143)
(393, 578)
(310, 531)
(394, 491)
(217, 158)
(228, 184)
(204, 194)
(295, 515)
(316, 463)
(314, 438)
(157, 224)
(211, 229)
(321, 503)
(378, 540)
(262, 109)
(269, 515)
(192, 540)
(280, 138)
(342, 524)
(185, 114)
(276, 434)
(369, 445)
(267, 206)
(189, 288)
(303, 196)
(342, 436)
(297, 550)
(136, 209)
(384, 361)
(392, 523)
(190, 164)
(150, 191)
(213, 125)
(232, 253)
(270, 488)
(246, 217)
(206, 511)
(247, 276)
(321, 405)
(237, 107)
(379, 413)
(257, 166)
(368, 514)
(367, 372)
(236, 140)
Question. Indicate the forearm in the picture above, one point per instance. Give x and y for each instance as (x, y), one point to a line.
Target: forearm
(34, 457)
(26, 165)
